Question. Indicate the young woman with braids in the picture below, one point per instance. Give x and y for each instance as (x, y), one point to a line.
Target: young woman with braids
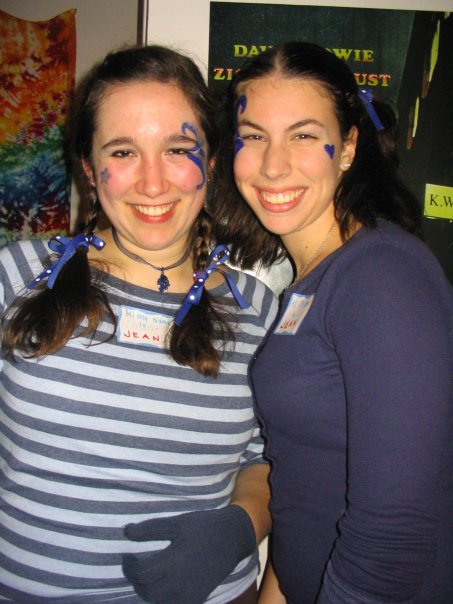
(354, 384)
(132, 464)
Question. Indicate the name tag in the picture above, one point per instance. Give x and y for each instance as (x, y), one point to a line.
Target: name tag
(294, 314)
(136, 326)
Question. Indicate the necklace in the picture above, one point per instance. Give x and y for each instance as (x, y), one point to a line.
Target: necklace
(314, 256)
(163, 281)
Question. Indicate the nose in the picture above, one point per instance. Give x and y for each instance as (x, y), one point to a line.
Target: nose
(151, 178)
(275, 162)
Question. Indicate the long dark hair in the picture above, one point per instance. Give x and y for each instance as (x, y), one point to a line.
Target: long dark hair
(370, 189)
(43, 320)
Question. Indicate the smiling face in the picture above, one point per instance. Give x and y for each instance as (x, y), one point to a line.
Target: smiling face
(291, 156)
(148, 161)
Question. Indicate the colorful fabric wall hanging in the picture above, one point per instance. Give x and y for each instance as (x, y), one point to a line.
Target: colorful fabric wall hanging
(37, 76)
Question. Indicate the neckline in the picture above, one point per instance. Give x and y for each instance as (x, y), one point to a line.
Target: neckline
(163, 281)
(325, 261)
(145, 292)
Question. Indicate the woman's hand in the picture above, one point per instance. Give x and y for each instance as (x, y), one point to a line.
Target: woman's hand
(205, 548)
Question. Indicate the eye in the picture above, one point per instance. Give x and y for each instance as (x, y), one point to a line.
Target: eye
(122, 153)
(179, 151)
(302, 136)
(251, 137)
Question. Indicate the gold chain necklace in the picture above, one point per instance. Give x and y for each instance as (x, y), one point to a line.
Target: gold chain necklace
(314, 256)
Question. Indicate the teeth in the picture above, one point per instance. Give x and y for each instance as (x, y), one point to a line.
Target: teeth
(276, 198)
(154, 210)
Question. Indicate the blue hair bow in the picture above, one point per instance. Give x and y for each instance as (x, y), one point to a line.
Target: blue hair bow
(218, 256)
(367, 99)
(66, 248)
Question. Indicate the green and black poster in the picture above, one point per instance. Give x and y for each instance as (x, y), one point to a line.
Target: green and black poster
(404, 56)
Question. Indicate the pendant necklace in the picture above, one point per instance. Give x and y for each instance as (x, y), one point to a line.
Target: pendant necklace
(314, 256)
(163, 281)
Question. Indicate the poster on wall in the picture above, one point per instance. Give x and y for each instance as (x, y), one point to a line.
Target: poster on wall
(37, 76)
(405, 56)
(239, 31)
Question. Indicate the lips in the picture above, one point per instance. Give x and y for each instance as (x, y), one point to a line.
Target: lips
(281, 201)
(154, 210)
(154, 214)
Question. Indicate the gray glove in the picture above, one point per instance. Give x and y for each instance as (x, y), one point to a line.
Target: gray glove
(205, 548)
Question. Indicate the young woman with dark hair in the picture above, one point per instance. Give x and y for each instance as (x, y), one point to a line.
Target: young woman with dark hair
(126, 415)
(354, 383)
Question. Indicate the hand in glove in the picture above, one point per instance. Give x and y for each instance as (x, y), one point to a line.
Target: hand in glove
(205, 547)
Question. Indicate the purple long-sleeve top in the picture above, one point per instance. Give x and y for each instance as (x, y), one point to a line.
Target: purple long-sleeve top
(356, 401)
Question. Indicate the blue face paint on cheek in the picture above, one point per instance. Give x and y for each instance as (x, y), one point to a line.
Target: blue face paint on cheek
(239, 107)
(330, 150)
(105, 175)
(196, 153)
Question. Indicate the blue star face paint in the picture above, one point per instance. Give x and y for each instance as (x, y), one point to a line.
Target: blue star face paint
(196, 153)
(330, 150)
(239, 107)
(105, 175)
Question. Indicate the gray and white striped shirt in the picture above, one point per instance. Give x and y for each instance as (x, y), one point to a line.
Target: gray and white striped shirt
(97, 436)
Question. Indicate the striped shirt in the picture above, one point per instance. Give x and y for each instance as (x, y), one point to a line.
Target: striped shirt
(104, 433)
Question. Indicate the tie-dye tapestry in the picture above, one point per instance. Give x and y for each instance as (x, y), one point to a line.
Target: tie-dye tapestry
(37, 74)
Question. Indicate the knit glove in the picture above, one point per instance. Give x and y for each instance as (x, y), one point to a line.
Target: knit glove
(205, 547)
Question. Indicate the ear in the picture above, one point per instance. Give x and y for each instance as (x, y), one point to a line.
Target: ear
(89, 172)
(210, 168)
(348, 151)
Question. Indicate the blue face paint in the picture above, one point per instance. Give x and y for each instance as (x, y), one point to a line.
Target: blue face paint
(239, 107)
(330, 150)
(105, 175)
(197, 153)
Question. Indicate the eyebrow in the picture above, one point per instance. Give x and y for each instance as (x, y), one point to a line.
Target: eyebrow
(115, 142)
(180, 138)
(300, 124)
(172, 139)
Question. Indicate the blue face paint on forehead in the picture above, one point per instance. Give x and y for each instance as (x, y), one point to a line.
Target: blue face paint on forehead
(197, 153)
(239, 107)
(330, 150)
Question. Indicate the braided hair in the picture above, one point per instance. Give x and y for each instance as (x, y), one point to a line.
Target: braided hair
(43, 320)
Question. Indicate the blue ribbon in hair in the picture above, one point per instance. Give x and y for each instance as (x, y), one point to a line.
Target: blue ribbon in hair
(218, 257)
(66, 248)
(366, 97)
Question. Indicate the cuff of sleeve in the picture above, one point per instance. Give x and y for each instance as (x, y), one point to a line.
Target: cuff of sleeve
(244, 529)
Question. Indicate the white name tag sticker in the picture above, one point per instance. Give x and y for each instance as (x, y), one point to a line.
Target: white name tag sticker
(294, 314)
(136, 326)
